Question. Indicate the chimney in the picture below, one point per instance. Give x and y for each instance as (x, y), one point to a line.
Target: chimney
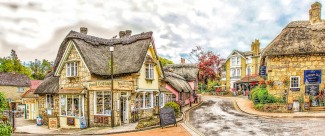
(83, 30)
(122, 34)
(315, 13)
(128, 33)
(255, 47)
(182, 61)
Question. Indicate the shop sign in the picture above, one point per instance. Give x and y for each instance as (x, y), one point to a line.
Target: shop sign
(83, 123)
(312, 90)
(118, 85)
(53, 123)
(312, 76)
(167, 116)
(263, 71)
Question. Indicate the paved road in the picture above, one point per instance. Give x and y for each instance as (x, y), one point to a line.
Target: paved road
(218, 116)
(169, 131)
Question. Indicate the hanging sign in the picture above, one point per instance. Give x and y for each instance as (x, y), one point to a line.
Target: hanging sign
(312, 76)
(167, 116)
(262, 70)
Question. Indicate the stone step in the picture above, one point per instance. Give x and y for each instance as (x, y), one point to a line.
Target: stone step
(317, 108)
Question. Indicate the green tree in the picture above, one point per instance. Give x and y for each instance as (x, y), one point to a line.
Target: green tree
(165, 61)
(13, 64)
(40, 68)
(3, 102)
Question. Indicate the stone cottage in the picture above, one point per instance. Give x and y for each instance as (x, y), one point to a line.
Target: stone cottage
(80, 87)
(295, 59)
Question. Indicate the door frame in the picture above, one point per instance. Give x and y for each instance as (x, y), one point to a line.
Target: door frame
(125, 103)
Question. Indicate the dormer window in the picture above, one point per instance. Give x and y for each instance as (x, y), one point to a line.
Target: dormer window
(72, 69)
(149, 71)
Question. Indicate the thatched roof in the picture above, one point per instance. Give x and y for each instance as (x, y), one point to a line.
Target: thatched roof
(11, 79)
(129, 52)
(298, 37)
(178, 82)
(50, 85)
(187, 71)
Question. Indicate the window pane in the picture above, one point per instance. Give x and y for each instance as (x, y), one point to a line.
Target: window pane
(63, 105)
(99, 103)
(141, 100)
(76, 69)
(68, 69)
(72, 70)
(147, 101)
(151, 72)
(76, 105)
(147, 71)
(69, 105)
(107, 102)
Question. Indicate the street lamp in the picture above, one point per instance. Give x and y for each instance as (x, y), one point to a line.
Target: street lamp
(111, 49)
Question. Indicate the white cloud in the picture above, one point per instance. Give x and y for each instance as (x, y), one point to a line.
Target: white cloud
(36, 28)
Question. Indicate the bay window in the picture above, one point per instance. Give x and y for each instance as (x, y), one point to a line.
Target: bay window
(102, 103)
(71, 105)
(146, 100)
(71, 69)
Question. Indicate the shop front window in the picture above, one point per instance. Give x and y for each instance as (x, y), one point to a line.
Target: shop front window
(146, 100)
(71, 105)
(49, 104)
(103, 103)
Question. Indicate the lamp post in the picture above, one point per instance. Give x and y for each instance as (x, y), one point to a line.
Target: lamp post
(111, 49)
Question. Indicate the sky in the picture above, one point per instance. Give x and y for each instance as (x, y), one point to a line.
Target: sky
(35, 29)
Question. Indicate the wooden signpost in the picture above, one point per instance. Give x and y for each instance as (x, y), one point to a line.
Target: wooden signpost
(167, 117)
(53, 123)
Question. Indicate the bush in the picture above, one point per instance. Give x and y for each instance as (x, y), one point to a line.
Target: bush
(149, 122)
(175, 106)
(5, 130)
(261, 96)
(259, 106)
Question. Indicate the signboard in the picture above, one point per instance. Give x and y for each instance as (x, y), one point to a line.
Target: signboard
(118, 85)
(312, 90)
(83, 123)
(53, 123)
(167, 116)
(263, 71)
(70, 121)
(312, 76)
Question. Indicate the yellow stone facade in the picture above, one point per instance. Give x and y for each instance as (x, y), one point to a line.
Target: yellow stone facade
(282, 67)
(11, 92)
(79, 85)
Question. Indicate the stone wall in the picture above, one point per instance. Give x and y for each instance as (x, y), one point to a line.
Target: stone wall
(12, 92)
(280, 68)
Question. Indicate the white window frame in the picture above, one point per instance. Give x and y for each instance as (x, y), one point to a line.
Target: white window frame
(20, 89)
(238, 71)
(95, 104)
(49, 109)
(249, 60)
(250, 70)
(291, 77)
(81, 105)
(238, 61)
(72, 67)
(144, 100)
(149, 71)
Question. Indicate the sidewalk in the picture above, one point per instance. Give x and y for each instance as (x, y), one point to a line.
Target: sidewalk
(247, 106)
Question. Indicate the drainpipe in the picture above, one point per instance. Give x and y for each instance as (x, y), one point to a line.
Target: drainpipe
(88, 109)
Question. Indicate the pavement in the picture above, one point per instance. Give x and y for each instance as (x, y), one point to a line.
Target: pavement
(247, 106)
(29, 127)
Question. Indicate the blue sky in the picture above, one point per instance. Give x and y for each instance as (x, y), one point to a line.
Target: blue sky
(35, 29)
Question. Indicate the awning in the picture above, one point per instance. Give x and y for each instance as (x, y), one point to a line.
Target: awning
(248, 79)
(71, 91)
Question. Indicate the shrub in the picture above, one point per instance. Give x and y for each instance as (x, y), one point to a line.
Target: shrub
(259, 106)
(280, 100)
(261, 96)
(175, 106)
(5, 130)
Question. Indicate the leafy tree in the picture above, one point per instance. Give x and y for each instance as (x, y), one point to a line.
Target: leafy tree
(13, 64)
(40, 68)
(165, 61)
(3, 102)
(209, 63)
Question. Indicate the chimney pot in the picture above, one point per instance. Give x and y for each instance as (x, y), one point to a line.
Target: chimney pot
(182, 61)
(83, 30)
(122, 34)
(128, 32)
(315, 13)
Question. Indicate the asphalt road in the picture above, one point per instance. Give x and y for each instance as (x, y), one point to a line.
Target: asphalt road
(218, 116)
